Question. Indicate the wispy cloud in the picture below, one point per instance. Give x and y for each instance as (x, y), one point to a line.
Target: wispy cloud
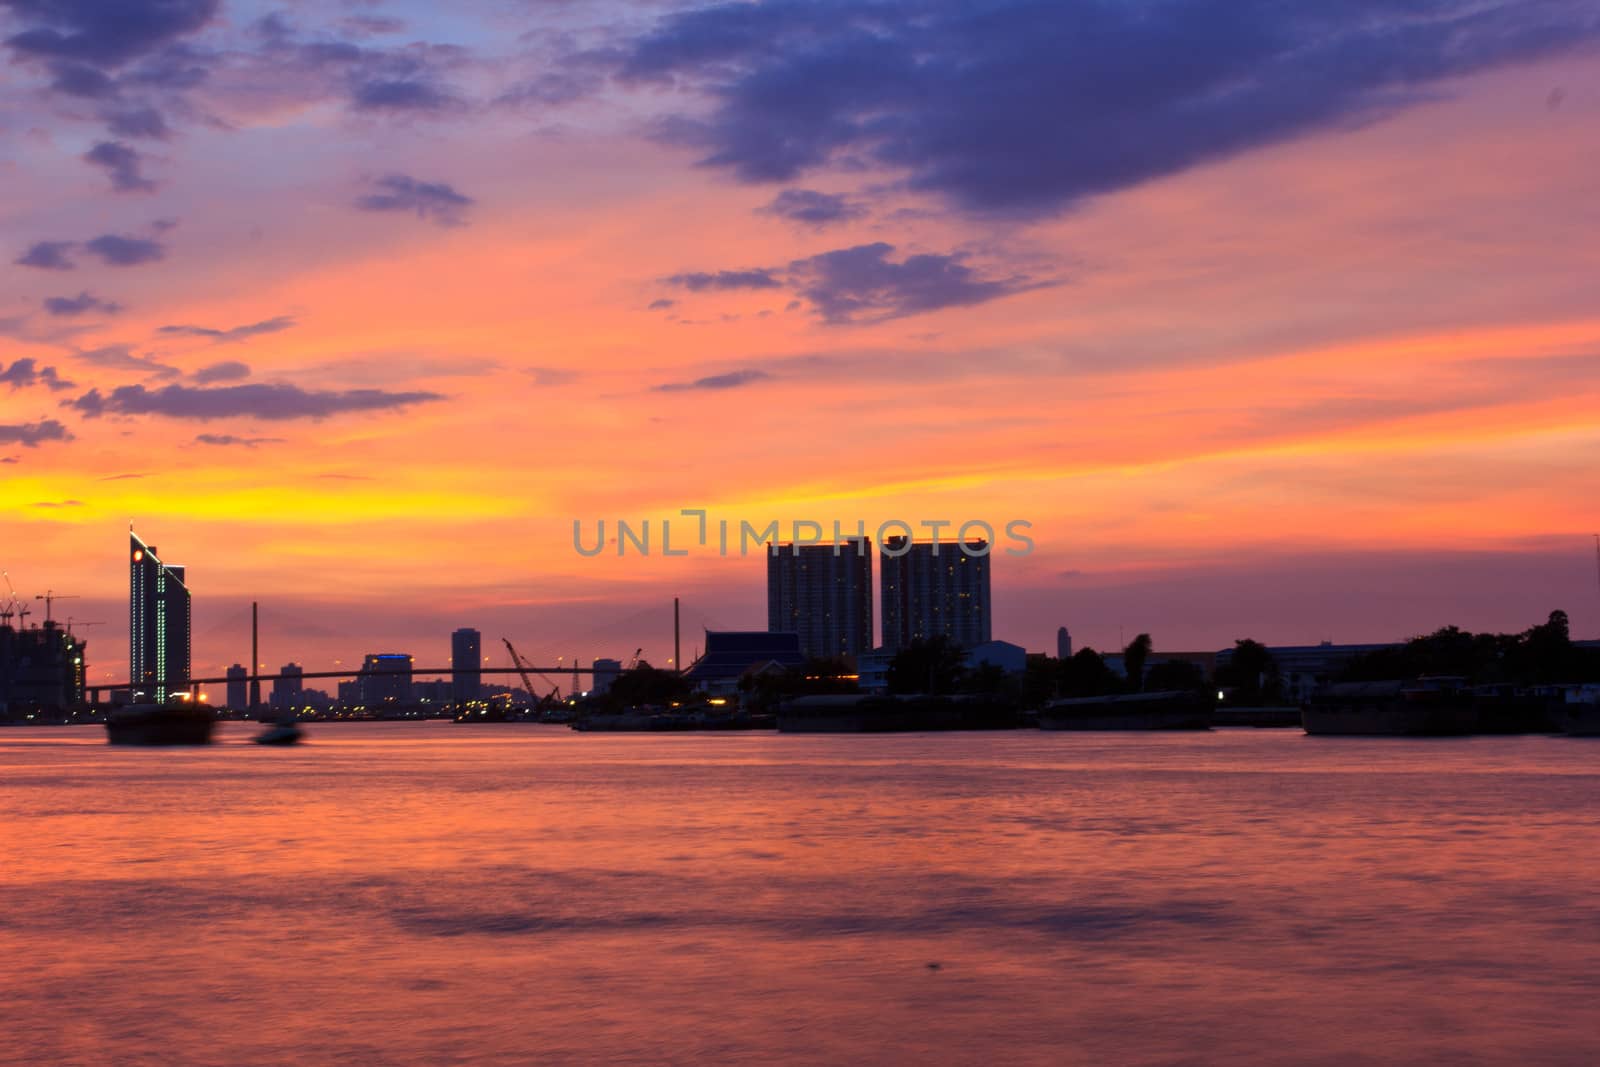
(730, 380)
(224, 440)
(235, 333)
(703, 281)
(273, 402)
(83, 303)
(230, 370)
(122, 357)
(436, 202)
(811, 208)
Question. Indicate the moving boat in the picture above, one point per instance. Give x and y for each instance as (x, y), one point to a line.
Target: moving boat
(283, 732)
(180, 723)
(1174, 710)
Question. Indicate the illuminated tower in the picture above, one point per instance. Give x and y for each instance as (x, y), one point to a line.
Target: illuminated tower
(158, 624)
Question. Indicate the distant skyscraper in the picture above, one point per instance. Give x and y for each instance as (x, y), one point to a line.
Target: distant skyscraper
(286, 690)
(466, 654)
(822, 595)
(927, 594)
(158, 624)
(238, 688)
(1063, 644)
(386, 678)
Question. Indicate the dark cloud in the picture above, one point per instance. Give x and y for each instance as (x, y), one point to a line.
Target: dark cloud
(701, 281)
(25, 373)
(33, 434)
(115, 250)
(121, 477)
(730, 380)
(122, 165)
(259, 401)
(104, 33)
(230, 370)
(237, 333)
(811, 208)
(662, 304)
(84, 302)
(48, 255)
(850, 284)
(372, 25)
(1024, 106)
(227, 439)
(435, 201)
(175, 68)
(58, 503)
(144, 122)
(80, 79)
(122, 357)
(400, 95)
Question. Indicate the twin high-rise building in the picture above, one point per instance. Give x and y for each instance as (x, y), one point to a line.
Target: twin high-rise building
(934, 589)
(929, 589)
(822, 594)
(158, 624)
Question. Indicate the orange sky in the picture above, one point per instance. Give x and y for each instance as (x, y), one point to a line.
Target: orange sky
(1338, 386)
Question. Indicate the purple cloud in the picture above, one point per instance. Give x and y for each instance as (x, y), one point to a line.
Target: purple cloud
(122, 165)
(48, 255)
(33, 434)
(84, 302)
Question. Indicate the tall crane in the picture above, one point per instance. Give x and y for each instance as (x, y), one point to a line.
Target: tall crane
(50, 596)
(15, 606)
(9, 606)
(522, 668)
(633, 664)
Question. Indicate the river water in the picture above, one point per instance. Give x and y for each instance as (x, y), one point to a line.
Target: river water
(426, 893)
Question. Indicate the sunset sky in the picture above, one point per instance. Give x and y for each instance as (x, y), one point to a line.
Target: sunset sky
(1274, 319)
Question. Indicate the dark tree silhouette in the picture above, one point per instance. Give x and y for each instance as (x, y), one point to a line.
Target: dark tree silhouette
(1252, 673)
(647, 685)
(933, 666)
(1134, 658)
(1175, 675)
(1085, 674)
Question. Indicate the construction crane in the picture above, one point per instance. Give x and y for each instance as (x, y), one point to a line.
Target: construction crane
(633, 664)
(50, 596)
(522, 668)
(9, 607)
(16, 605)
(554, 696)
(73, 622)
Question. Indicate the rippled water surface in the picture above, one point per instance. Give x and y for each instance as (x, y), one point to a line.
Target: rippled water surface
(438, 894)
